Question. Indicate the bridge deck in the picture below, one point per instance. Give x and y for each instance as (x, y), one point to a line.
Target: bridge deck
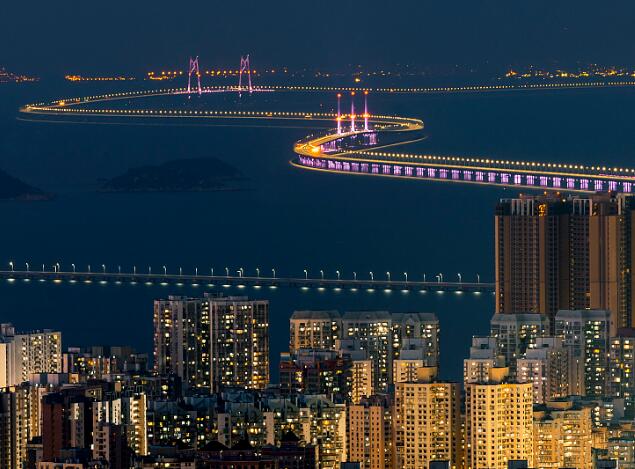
(222, 280)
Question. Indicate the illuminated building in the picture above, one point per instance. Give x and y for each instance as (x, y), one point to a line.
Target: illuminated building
(562, 434)
(546, 365)
(622, 369)
(98, 362)
(404, 371)
(15, 426)
(23, 354)
(239, 342)
(427, 422)
(110, 445)
(182, 340)
(515, 333)
(370, 332)
(128, 411)
(586, 333)
(498, 421)
(314, 330)
(565, 253)
(318, 372)
(292, 453)
(483, 356)
(383, 337)
(622, 450)
(361, 380)
(416, 336)
(212, 341)
(369, 433)
(325, 424)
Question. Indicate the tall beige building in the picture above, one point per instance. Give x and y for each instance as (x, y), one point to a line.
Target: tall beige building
(22, 354)
(483, 357)
(498, 421)
(427, 422)
(361, 380)
(562, 436)
(314, 330)
(555, 252)
(369, 433)
(547, 366)
(324, 425)
(404, 371)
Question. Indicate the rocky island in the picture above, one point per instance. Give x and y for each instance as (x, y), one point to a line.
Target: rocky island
(12, 188)
(185, 175)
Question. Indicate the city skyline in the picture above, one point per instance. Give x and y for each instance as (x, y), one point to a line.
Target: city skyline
(282, 235)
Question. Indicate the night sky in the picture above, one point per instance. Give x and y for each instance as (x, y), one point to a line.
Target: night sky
(54, 37)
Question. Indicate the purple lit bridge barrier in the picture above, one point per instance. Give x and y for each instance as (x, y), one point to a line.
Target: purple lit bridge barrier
(165, 278)
(572, 178)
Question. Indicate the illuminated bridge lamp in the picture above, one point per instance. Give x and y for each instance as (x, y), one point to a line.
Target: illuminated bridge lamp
(339, 113)
(366, 110)
(352, 111)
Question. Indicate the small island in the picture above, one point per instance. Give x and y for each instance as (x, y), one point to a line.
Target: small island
(185, 175)
(12, 188)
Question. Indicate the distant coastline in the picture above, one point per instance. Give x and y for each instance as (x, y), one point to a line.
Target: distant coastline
(186, 175)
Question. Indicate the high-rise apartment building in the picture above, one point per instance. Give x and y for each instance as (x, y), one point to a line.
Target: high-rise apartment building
(15, 431)
(22, 354)
(212, 341)
(546, 365)
(239, 342)
(562, 435)
(515, 333)
(555, 252)
(622, 369)
(314, 330)
(483, 357)
(586, 333)
(427, 422)
(498, 421)
(369, 433)
(370, 332)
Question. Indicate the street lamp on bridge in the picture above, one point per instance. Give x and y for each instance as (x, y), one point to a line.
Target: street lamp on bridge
(11, 265)
(73, 267)
(306, 274)
(372, 276)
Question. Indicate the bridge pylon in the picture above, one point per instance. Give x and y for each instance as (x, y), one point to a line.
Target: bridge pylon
(352, 111)
(244, 68)
(366, 110)
(193, 69)
(339, 113)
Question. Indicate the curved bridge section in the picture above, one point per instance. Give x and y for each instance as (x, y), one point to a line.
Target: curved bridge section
(357, 151)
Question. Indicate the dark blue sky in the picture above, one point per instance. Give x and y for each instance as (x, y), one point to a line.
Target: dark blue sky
(44, 36)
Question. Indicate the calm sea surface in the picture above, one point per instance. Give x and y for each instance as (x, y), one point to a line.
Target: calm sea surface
(287, 219)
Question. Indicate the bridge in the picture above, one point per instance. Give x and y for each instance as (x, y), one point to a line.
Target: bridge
(352, 142)
(165, 278)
